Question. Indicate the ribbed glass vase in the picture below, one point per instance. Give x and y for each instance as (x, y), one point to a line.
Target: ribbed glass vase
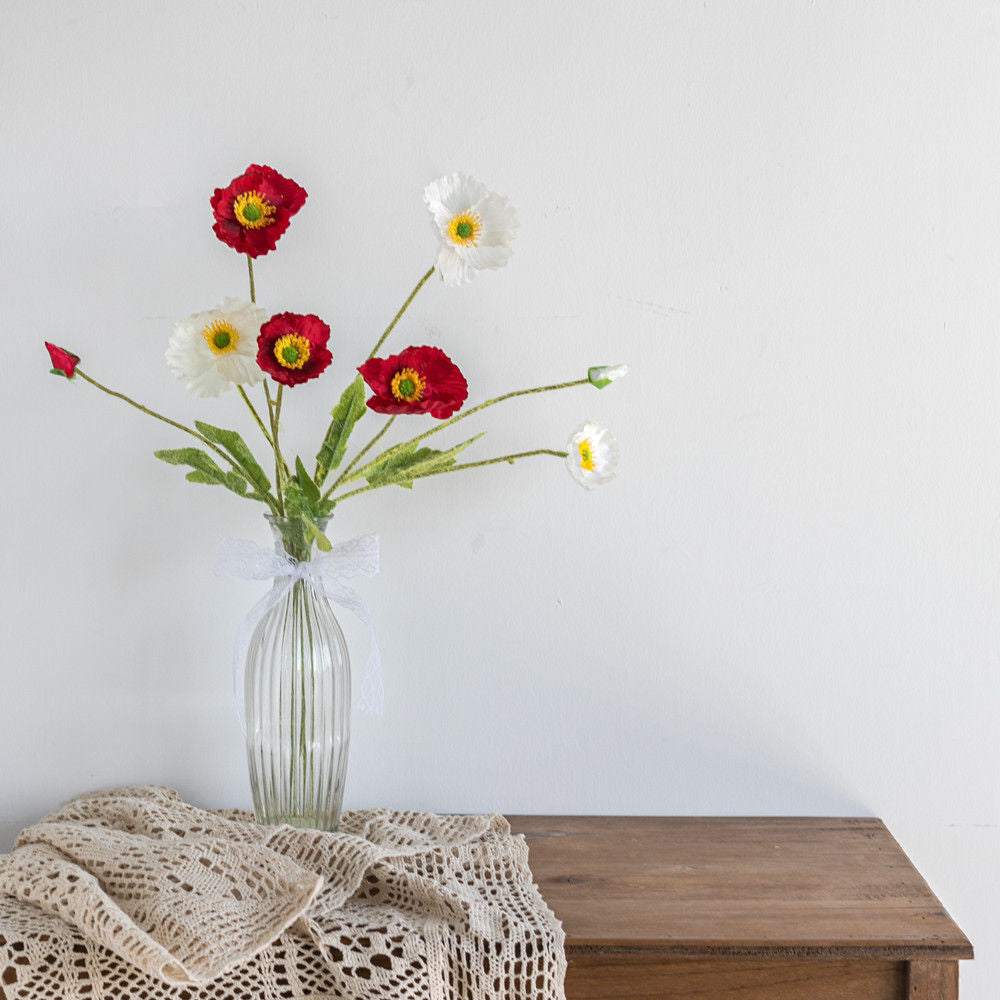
(297, 700)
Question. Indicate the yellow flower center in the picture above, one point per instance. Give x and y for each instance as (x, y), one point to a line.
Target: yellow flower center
(253, 210)
(221, 336)
(464, 229)
(408, 385)
(586, 456)
(291, 351)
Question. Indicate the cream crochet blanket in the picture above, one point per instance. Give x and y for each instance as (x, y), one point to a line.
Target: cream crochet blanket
(133, 894)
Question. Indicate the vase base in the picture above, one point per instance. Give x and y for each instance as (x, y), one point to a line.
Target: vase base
(300, 822)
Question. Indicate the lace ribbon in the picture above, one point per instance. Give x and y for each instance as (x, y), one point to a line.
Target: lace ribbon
(242, 559)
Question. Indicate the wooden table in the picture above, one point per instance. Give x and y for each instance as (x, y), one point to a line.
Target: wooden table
(750, 909)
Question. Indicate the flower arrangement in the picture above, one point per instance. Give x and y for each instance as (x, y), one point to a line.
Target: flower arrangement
(291, 666)
(238, 345)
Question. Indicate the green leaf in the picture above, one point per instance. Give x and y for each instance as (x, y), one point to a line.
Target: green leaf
(205, 469)
(322, 542)
(402, 465)
(231, 442)
(348, 411)
(196, 476)
(297, 504)
(309, 489)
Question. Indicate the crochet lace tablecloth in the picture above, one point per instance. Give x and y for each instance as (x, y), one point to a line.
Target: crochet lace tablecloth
(133, 894)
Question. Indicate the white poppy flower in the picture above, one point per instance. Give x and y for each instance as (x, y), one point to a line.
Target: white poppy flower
(214, 350)
(592, 455)
(474, 226)
(606, 374)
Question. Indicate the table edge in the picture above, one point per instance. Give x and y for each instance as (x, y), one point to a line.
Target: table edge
(660, 951)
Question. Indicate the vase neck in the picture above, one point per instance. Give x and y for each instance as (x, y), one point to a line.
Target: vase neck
(294, 536)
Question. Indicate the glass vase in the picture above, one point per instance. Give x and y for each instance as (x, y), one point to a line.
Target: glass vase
(297, 699)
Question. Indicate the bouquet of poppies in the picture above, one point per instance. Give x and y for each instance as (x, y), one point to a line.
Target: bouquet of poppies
(238, 345)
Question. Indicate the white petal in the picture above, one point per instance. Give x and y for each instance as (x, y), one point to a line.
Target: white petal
(603, 451)
(611, 372)
(484, 256)
(452, 268)
(204, 372)
(187, 353)
(208, 383)
(499, 220)
(454, 193)
(236, 368)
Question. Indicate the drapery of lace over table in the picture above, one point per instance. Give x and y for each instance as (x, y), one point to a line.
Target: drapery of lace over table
(135, 894)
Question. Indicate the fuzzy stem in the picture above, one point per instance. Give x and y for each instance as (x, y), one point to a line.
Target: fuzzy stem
(279, 462)
(253, 287)
(467, 413)
(277, 425)
(357, 458)
(256, 415)
(509, 459)
(166, 420)
(406, 305)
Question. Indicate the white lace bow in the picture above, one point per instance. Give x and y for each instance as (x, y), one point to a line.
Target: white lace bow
(242, 559)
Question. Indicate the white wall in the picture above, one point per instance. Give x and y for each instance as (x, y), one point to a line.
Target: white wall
(784, 215)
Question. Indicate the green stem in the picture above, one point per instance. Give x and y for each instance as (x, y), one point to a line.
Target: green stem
(166, 420)
(406, 305)
(357, 458)
(381, 340)
(509, 459)
(147, 410)
(461, 416)
(256, 415)
(253, 287)
(274, 409)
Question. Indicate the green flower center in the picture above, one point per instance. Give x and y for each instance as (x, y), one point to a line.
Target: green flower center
(291, 351)
(408, 385)
(251, 212)
(221, 336)
(464, 230)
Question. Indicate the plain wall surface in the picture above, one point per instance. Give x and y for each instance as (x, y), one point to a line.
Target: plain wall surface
(785, 216)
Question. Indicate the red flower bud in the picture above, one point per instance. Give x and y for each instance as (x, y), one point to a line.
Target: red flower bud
(63, 363)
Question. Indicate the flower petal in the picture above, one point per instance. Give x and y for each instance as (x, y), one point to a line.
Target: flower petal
(441, 388)
(283, 199)
(592, 455)
(452, 268)
(312, 335)
(63, 361)
(190, 358)
(454, 193)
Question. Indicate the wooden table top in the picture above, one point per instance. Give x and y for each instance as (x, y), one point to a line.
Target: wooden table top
(781, 888)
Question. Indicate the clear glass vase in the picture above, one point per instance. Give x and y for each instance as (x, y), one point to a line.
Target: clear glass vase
(297, 700)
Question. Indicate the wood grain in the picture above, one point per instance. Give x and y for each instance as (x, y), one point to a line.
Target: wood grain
(932, 981)
(768, 888)
(594, 979)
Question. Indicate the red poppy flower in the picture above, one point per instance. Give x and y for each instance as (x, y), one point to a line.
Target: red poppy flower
(63, 363)
(292, 348)
(254, 211)
(418, 380)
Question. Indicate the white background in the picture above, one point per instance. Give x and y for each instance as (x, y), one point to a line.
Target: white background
(785, 216)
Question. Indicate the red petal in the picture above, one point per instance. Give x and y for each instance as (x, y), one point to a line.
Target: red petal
(309, 326)
(444, 392)
(62, 360)
(287, 197)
